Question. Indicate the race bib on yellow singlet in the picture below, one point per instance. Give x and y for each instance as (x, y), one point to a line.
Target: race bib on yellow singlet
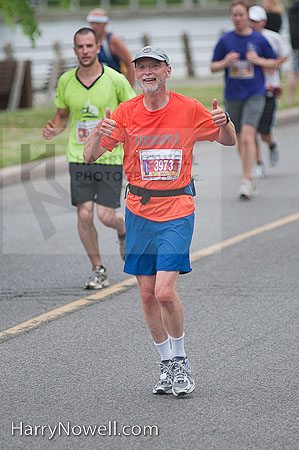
(160, 164)
(83, 129)
(241, 69)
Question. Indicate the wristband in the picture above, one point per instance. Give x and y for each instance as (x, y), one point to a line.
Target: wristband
(227, 117)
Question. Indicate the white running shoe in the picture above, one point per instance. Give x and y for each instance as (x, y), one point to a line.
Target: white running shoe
(182, 382)
(164, 384)
(97, 279)
(259, 171)
(248, 189)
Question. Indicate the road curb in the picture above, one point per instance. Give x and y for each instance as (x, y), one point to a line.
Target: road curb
(45, 168)
(49, 167)
(288, 116)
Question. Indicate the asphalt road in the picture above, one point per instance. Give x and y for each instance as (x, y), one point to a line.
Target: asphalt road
(98, 364)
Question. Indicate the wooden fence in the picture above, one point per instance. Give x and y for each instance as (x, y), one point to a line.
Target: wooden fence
(189, 54)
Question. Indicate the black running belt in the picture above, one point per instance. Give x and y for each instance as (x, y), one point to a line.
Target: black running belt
(146, 194)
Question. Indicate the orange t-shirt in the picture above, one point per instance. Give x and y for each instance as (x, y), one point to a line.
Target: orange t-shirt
(158, 149)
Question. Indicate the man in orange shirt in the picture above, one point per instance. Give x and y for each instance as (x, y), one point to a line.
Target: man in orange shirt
(159, 129)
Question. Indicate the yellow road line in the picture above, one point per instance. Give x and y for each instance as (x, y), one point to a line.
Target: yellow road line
(65, 309)
(124, 285)
(243, 237)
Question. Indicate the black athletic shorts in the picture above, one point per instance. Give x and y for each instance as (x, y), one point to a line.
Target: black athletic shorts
(100, 183)
(268, 117)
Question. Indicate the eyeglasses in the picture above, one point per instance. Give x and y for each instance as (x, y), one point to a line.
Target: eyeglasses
(152, 66)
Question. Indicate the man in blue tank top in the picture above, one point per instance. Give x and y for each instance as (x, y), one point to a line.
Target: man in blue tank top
(113, 51)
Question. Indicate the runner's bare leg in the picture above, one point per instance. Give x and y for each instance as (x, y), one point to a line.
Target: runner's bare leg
(162, 307)
(88, 233)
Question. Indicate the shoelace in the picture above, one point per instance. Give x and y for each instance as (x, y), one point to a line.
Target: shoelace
(166, 369)
(97, 274)
(180, 370)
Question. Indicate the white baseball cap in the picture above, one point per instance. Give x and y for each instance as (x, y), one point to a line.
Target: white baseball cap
(257, 13)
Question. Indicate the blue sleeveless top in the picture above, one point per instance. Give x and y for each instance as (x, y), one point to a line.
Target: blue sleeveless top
(105, 56)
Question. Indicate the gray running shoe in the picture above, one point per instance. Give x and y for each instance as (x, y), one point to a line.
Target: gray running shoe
(98, 278)
(122, 246)
(274, 154)
(182, 382)
(164, 384)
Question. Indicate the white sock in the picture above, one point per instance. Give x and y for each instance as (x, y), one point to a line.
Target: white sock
(177, 346)
(164, 349)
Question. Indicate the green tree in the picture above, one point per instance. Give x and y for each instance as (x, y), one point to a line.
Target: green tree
(19, 12)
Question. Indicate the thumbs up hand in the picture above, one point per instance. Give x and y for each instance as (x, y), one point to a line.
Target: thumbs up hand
(106, 125)
(218, 115)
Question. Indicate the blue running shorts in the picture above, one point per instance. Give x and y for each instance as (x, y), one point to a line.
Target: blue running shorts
(153, 246)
